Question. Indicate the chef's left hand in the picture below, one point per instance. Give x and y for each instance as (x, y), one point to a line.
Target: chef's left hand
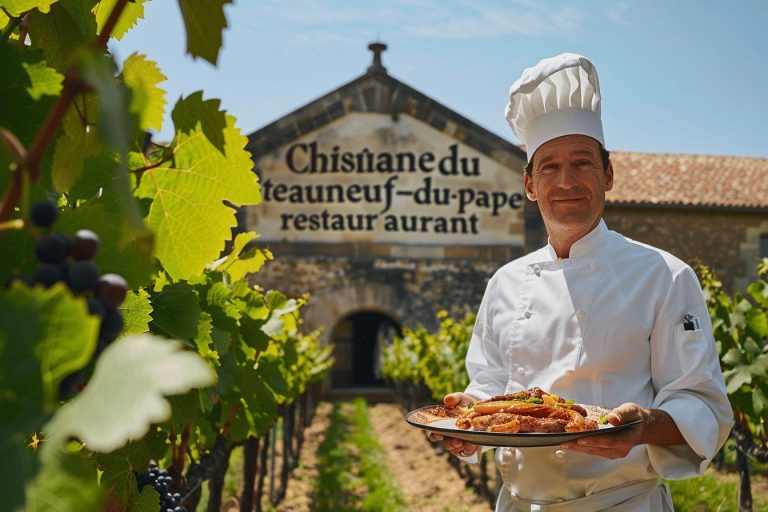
(614, 446)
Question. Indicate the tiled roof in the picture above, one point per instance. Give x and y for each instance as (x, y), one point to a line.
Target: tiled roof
(689, 180)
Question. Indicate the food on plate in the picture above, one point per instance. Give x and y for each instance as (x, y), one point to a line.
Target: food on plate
(533, 410)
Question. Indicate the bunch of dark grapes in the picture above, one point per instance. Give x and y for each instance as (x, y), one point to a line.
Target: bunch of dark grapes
(162, 482)
(69, 259)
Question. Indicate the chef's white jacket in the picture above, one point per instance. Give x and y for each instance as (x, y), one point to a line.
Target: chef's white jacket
(603, 326)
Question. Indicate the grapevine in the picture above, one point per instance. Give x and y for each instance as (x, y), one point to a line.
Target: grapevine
(144, 344)
(740, 327)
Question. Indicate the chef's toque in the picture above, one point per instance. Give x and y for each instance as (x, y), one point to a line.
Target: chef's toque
(558, 96)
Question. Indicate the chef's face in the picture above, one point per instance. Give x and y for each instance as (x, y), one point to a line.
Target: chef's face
(569, 183)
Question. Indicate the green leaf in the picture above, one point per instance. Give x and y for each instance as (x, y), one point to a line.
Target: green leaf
(193, 114)
(115, 124)
(262, 406)
(253, 334)
(142, 75)
(26, 94)
(17, 7)
(176, 311)
(121, 252)
(188, 215)
(119, 465)
(732, 357)
(132, 12)
(125, 395)
(57, 33)
(737, 377)
(148, 501)
(137, 312)
(80, 139)
(99, 172)
(758, 290)
(238, 264)
(18, 464)
(273, 375)
(759, 401)
(45, 81)
(203, 339)
(757, 323)
(204, 22)
(67, 483)
(48, 335)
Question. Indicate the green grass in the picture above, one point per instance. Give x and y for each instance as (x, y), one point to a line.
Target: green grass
(713, 492)
(383, 493)
(354, 475)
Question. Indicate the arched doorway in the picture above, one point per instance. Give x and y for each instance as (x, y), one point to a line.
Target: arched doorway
(358, 340)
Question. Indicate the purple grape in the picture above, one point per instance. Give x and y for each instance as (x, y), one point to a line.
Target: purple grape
(83, 276)
(84, 245)
(43, 213)
(48, 274)
(111, 325)
(111, 290)
(52, 248)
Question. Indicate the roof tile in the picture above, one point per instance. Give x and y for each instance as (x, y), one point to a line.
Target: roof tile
(689, 180)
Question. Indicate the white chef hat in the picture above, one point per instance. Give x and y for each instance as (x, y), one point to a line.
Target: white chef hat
(558, 96)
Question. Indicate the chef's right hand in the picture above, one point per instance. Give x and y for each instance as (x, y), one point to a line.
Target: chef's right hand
(455, 446)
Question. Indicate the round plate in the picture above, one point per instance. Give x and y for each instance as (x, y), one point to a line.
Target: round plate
(448, 427)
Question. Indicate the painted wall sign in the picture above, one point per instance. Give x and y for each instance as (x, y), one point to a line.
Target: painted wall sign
(370, 178)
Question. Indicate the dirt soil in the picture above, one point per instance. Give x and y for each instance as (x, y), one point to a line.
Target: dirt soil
(428, 482)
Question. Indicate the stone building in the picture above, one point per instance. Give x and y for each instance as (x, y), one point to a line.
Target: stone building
(387, 207)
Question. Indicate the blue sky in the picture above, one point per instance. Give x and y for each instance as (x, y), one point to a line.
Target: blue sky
(682, 76)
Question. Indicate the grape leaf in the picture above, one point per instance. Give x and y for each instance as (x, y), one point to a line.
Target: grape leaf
(67, 482)
(17, 7)
(49, 335)
(142, 75)
(77, 141)
(130, 257)
(239, 263)
(737, 377)
(204, 22)
(757, 323)
(115, 124)
(57, 34)
(125, 395)
(97, 174)
(759, 400)
(203, 339)
(132, 12)
(192, 114)
(188, 216)
(176, 311)
(148, 501)
(137, 312)
(119, 465)
(26, 91)
(261, 409)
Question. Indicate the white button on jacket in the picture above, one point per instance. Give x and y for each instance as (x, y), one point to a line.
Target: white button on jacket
(631, 348)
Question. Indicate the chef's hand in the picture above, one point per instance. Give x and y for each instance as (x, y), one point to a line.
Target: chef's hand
(615, 446)
(657, 427)
(455, 446)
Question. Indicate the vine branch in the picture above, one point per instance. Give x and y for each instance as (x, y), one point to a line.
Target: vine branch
(14, 22)
(71, 88)
(14, 191)
(233, 410)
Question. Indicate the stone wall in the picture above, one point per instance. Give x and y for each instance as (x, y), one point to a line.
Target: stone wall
(409, 290)
(724, 240)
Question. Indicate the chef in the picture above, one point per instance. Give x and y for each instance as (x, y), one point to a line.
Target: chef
(595, 317)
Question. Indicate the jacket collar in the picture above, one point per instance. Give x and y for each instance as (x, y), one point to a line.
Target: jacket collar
(586, 244)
